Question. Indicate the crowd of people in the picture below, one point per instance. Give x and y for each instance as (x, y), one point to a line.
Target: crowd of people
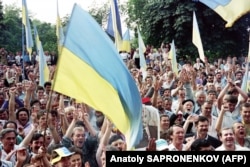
(202, 107)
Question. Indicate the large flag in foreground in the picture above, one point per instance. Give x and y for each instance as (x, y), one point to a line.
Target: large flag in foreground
(59, 31)
(43, 68)
(197, 38)
(114, 27)
(98, 77)
(229, 10)
(126, 42)
(172, 55)
(26, 23)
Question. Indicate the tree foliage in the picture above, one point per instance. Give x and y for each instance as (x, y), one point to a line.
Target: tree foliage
(167, 20)
(11, 30)
(11, 25)
(1, 20)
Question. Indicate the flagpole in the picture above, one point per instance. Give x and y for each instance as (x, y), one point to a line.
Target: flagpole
(23, 74)
(248, 57)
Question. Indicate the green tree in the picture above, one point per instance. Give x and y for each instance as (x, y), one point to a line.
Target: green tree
(167, 20)
(47, 35)
(11, 39)
(1, 22)
(11, 30)
(100, 13)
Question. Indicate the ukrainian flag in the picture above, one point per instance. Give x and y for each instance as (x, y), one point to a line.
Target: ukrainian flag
(229, 10)
(142, 50)
(26, 23)
(59, 31)
(196, 38)
(91, 71)
(114, 27)
(43, 67)
(126, 42)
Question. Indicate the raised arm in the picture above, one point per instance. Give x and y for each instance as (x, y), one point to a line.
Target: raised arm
(222, 94)
(63, 119)
(219, 121)
(29, 87)
(12, 115)
(85, 118)
(53, 131)
(72, 125)
(104, 140)
(27, 139)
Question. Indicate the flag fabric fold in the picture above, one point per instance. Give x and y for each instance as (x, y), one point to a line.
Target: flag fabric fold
(59, 31)
(196, 38)
(91, 71)
(229, 10)
(114, 27)
(172, 55)
(142, 49)
(43, 68)
(126, 42)
(26, 23)
(245, 85)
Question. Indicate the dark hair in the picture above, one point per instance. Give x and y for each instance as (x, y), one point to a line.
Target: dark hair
(212, 91)
(2, 110)
(237, 72)
(198, 143)
(40, 114)
(231, 99)
(114, 138)
(170, 131)
(163, 115)
(35, 137)
(231, 91)
(40, 88)
(99, 121)
(5, 131)
(54, 113)
(201, 119)
(151, 68)
(20, 110)
(9, 122)
(79, 124)
(76, 150)
(34, 102)
(47, 84)
(244, 105)
(248, 94)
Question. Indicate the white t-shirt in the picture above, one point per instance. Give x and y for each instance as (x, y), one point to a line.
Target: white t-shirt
(237, 148)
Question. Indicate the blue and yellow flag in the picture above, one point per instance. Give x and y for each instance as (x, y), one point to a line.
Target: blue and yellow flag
(229, 10)
(196, 38)
(114, 27)
(43, 67)
(91, 71)
(26, 23)
(126, 42)
(59, 31)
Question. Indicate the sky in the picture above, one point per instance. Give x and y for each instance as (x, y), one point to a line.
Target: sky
(45, 10)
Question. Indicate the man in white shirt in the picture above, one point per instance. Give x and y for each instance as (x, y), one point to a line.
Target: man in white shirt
(177, 138)
(8, 140)
(227, 138)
